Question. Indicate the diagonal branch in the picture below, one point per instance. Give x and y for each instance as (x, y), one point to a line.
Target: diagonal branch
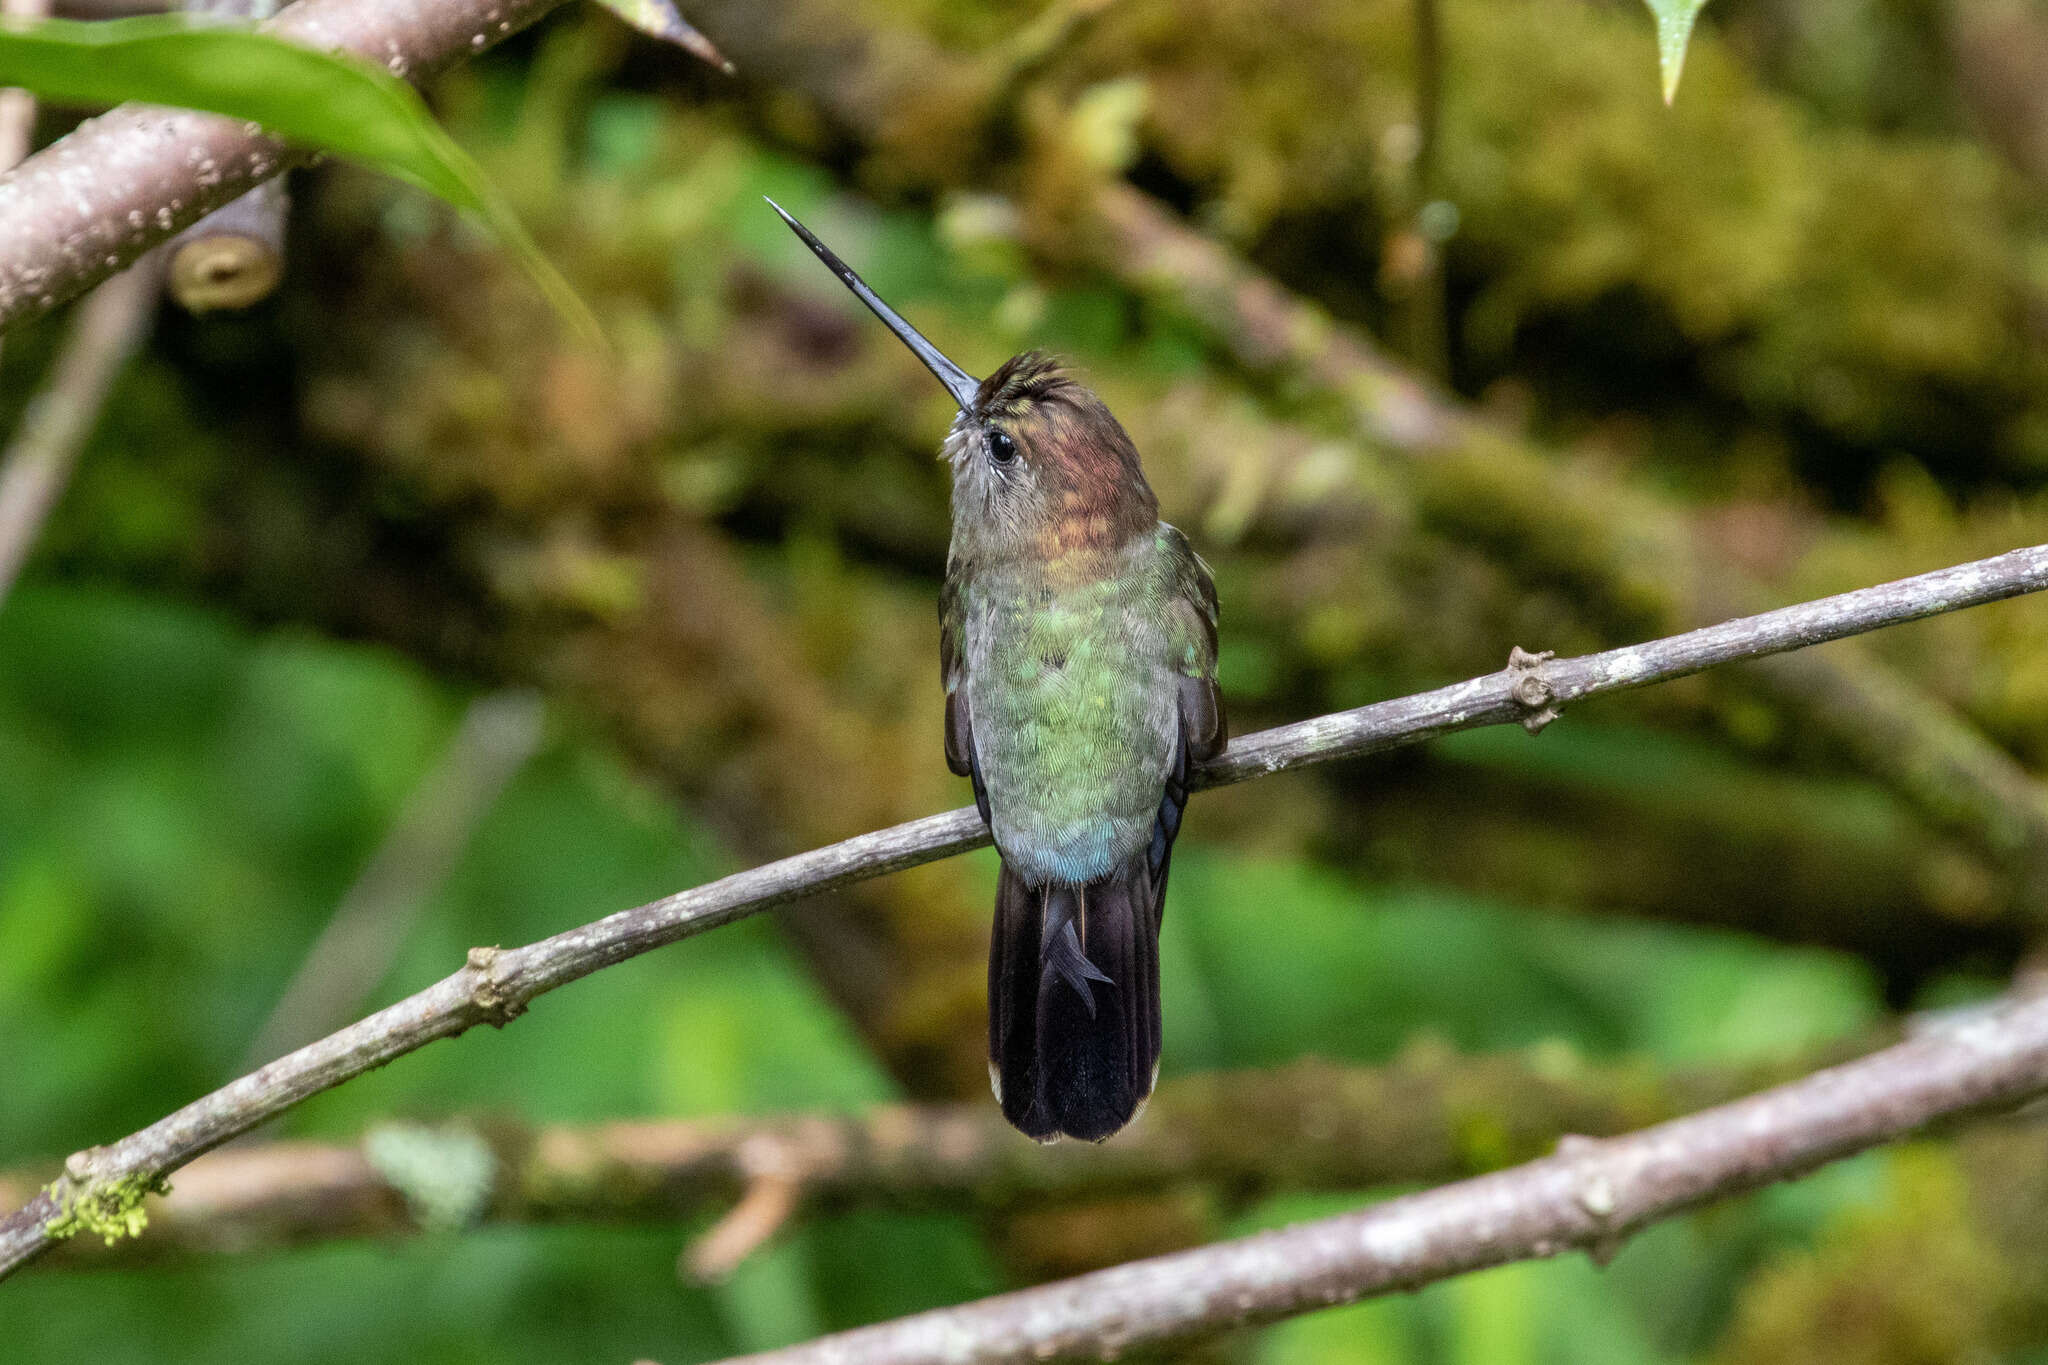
(36, 464)
(496, 985)
(1635, 556)
(1592, 1194)
(1311, 1125)
(93, 201)
(497, 735)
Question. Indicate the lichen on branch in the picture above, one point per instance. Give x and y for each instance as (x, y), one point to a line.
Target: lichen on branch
(110, 1209)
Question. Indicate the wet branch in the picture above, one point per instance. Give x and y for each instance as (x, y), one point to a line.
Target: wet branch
(497, 984)
(1593, 1193)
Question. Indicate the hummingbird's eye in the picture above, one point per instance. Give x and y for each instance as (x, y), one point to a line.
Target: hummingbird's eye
(1001, 448)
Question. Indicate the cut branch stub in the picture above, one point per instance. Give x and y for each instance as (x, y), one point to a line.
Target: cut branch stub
(233, 257)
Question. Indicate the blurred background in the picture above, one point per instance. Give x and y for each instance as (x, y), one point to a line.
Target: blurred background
(1439, 334)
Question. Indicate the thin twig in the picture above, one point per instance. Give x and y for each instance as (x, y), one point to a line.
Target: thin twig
(37, 463)
(498, 733)
(497, 984)
(96, 199)
(1311, 1125)
(1592, 1194)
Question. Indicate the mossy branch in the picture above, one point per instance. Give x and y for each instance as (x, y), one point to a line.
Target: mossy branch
(108, 1208)
(1430, 1115)
(497, 984)
(1620, 547)
(1592, 1194)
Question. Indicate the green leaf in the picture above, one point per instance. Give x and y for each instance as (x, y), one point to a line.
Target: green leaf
(661, 19)
(1674, 31)
(325, 102)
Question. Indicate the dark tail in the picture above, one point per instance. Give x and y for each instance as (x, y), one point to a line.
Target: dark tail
(1073, 1002)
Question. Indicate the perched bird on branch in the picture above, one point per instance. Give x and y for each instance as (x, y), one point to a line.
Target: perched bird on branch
(1078, 649)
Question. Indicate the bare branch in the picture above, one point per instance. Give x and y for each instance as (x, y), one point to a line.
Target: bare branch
(1592, 1194)
(498, 733)
(1634, 553)
(496, 985)
(33, 469)
(1531, 689)
(92, 202)
(1312, 1125)
(1543, 516)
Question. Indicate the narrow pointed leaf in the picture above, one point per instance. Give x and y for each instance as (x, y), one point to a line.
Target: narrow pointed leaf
(316, 100)
(1674, 31)
(661, 19)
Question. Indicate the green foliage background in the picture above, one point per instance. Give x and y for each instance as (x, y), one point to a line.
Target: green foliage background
(195, 797)
(305, 537)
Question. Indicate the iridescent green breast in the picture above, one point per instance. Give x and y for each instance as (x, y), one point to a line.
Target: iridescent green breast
(1071, 683)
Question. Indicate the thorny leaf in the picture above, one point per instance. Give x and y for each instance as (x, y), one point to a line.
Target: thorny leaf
(1674, 31)
(318, 100)
(661, 19)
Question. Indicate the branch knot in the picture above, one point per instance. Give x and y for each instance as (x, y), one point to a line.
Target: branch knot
(488, 994)
(1595, 1195)
(1531, 689)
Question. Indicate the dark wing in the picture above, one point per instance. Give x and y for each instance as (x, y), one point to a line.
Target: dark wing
(952, 672)
(1203, 727)
(1073, 973)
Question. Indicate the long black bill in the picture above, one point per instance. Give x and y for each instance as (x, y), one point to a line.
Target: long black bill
(962, 385)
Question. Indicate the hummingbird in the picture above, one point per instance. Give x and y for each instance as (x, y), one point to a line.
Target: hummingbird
(1077, 645)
